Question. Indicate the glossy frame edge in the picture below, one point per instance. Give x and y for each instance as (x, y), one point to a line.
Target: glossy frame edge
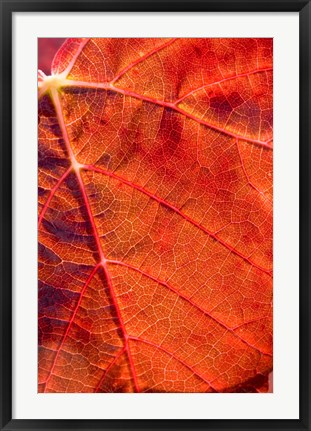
(7, 8)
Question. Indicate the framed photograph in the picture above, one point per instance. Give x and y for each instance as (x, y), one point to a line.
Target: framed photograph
(155, 215)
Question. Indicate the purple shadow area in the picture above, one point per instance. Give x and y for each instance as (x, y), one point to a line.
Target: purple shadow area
(47, 48)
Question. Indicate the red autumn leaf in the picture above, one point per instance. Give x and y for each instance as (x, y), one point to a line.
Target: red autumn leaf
(155, 216)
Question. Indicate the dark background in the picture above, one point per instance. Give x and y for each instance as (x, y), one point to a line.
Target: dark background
(47, 48)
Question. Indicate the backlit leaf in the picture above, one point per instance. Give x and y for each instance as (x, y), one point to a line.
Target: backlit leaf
(155, 216)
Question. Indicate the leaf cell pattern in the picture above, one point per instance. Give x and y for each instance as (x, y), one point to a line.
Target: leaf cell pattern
(155, 216)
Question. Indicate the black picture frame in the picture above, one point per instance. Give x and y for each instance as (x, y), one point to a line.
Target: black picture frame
(8, 7)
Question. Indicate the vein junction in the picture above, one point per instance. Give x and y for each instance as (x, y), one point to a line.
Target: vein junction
(51, 85)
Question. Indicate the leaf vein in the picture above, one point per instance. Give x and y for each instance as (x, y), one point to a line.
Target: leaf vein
(189, 300)
(175, 209)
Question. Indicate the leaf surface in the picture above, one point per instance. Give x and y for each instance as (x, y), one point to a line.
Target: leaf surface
(155, 216)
